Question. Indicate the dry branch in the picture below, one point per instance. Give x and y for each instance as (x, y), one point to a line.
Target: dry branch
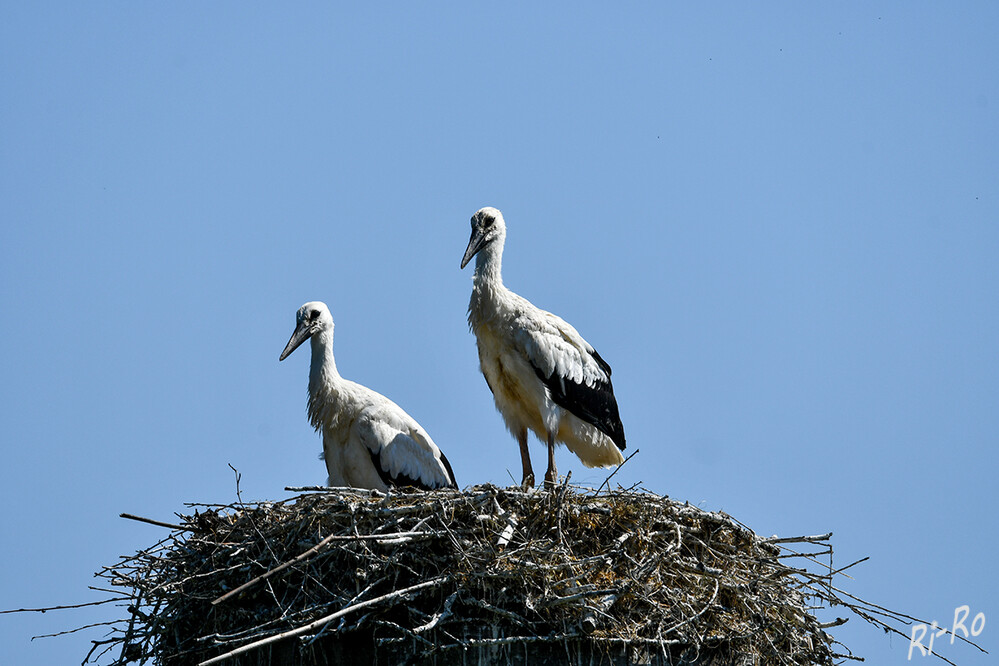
(157, 523)
(323, 621)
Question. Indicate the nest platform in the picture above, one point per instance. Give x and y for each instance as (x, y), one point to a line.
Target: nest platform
(487, 575)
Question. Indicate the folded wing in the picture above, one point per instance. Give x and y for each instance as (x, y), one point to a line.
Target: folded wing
(577, 378)
(403, 453)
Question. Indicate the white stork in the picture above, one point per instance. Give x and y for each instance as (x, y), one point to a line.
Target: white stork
(368, 440)
(543, 375)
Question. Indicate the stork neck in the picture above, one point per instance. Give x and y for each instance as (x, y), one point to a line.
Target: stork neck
(489, 263)
(323, 371)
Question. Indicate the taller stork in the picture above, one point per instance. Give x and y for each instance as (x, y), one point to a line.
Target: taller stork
(368, 440)
(543, 375)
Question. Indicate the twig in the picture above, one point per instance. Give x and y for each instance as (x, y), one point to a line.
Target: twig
(694, 617)
(473, 642)
(126, 642)
(362, 492)
(55, 608)
(250, 583)
(73, 631)
(556, 601)
(799, 539)
(158, 523)
(842, 569)
(446, 612)
(607, 480)
(322, 621)
(239, 498)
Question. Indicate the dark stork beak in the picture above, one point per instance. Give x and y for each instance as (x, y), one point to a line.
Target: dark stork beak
(475, 243)
(302, 333)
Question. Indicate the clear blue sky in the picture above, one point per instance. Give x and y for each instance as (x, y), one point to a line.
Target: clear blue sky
(779, 224)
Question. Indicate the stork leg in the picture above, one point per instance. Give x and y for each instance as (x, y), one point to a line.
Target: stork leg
(551, 476)
(525, 459)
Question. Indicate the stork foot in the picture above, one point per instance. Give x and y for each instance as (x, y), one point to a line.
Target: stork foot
(551, 476)
(551, 479)
(528, 482)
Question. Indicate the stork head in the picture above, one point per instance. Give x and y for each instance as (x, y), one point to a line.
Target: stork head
(313, 317)
(488, 227)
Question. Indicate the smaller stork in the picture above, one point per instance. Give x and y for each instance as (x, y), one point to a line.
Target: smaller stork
(543, 375)
(368, 440)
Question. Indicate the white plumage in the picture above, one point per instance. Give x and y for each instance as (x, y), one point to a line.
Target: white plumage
(368, 440)
(543, 375)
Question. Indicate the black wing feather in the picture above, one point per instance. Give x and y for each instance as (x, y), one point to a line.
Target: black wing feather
(594, 404)
(405, 480)
(452, 482)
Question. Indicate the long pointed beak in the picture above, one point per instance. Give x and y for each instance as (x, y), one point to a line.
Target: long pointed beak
(475, 244)
(301, 334)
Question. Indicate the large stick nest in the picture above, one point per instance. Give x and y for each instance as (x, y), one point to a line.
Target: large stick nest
(420, 576)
